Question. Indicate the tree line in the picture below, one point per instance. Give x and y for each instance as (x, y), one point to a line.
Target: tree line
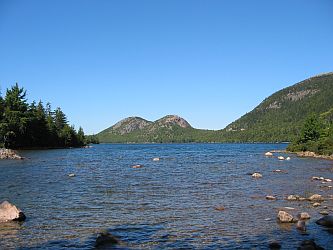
(34, 125)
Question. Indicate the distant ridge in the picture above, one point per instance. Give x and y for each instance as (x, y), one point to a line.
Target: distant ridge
(170, 128)
(278, 118)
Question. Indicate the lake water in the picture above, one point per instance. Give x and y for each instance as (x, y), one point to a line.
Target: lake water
(166, 204)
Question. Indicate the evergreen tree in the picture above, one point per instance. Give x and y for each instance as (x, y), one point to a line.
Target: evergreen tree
(311, 130)
(23, 125)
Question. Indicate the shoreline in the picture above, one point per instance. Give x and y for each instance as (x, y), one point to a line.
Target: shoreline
(305, 154)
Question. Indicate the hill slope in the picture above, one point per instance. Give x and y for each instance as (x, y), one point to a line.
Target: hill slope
(170, 128)
(281, 116)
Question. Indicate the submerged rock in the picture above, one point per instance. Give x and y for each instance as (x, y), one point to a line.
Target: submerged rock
(219, 208)
(274, 245)
(326, 221)
(9, 212)
(309, 245)
(9, 154)
(285, 217)
(105, 239)
(301, 225)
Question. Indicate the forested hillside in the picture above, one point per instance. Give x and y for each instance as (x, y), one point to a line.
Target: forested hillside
(168, 129)
(280, 117)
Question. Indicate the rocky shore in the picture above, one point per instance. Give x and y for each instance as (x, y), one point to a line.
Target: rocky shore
(9, 154)
(313, 155)
(305, 154)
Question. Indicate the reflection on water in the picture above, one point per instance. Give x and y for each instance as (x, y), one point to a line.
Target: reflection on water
(169, 204)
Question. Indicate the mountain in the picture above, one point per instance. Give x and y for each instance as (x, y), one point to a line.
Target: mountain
(128, 125)
(278, 118)
(170, 128)
(281, 116)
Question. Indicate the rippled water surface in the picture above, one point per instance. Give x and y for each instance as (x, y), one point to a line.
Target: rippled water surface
(166, 204)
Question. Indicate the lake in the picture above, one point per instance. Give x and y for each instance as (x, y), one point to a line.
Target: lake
(166, 204)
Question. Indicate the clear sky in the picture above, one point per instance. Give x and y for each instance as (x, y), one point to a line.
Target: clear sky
(209, 61)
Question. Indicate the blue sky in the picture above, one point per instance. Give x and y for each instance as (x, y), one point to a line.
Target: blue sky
(207, 61)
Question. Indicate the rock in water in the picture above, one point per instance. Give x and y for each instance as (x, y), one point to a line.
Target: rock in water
(105, 239)
(304, 216)
(274, 245)
(9, 212)
(270, 197)
(309, 245)
(281, 158)
(137, 166)
(326, 221)
(257, 175)
(316, 197)
(284, 217)
(301, 225)
(156, 159)
(268, 154)
(292, 197)
(6, 153)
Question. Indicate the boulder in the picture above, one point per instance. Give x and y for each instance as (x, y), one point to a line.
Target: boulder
(156, 159)
(324, 213)
(281, 158)
(288, 158)
(326, 221)
(6, 153)
(105, 239)
(316, 197)
(9, 212)
(71, 175)
(284, 217)
(257, 175)
(304, 216)
(316, 204)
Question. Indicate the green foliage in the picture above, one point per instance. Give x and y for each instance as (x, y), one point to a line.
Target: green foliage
(91, 139)
(311, 130)
(24, 125)
(316, 136)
